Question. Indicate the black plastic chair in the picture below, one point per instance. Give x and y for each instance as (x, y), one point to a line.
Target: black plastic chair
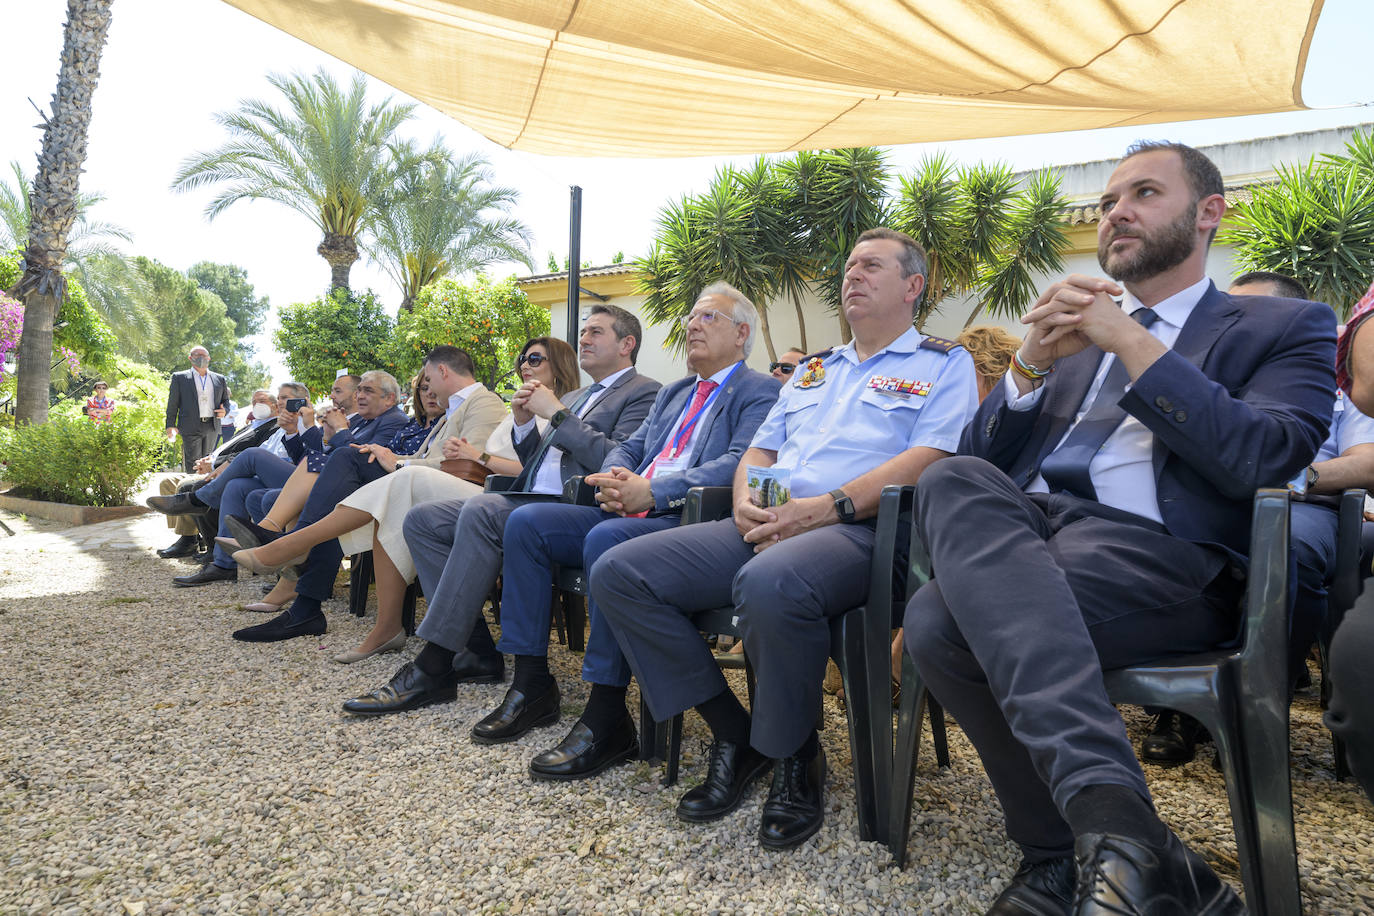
(1341, 593)
(1240, 696)
(860, 640)
(361, 575)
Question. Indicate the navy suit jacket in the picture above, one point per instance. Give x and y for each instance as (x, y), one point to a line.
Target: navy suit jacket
(1242, 401)
(738, 411)
(360, 432)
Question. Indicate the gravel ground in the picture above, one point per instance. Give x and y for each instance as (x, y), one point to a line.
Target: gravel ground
(150, 764)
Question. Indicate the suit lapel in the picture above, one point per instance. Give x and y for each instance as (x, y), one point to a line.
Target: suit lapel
(1214, 313)
(672, 410)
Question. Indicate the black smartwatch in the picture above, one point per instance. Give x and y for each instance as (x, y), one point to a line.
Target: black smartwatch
(844, 506)
(558, 418)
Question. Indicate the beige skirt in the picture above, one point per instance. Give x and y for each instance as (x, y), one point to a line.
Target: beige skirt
(389, 499)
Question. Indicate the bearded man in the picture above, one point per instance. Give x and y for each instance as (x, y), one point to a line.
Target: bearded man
(1098, 516)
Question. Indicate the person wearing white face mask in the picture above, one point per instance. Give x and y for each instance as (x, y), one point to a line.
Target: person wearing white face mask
(261, 430)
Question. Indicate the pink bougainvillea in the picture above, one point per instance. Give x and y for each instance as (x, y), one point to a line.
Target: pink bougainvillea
(11, 325)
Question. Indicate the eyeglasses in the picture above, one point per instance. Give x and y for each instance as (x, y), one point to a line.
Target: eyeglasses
(707, 318)
(534, 359)
(787, 368)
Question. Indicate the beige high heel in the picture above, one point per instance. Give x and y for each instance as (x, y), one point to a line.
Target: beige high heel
(394, 644)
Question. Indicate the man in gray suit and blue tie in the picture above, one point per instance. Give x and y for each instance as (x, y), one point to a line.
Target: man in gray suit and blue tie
(695, 435)
(457, 543)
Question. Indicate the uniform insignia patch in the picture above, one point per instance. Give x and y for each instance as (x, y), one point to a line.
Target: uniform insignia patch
(938, 344)
(898, 387)
(814, 376)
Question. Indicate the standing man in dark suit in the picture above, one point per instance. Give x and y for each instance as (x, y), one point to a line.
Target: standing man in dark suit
(457, 544)
(196, 401)
(694, 437)
(1100, 519)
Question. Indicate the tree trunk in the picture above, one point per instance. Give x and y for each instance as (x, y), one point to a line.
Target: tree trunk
(340, 251)
(53, 200)
(801, 324)
(767, 335)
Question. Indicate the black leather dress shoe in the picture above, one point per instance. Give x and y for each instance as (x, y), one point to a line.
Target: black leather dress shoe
(1118, 875)
(281, 628)
(177, 504)
(1038, 889)
(582, 754)
(470, 668)
(518, 714)
(248, 534)
(795, 807)
(208, 573)
(730, 770)
(1173, 739)
(409, 688)
(184, 546)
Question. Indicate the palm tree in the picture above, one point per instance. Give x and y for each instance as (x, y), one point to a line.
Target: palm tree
(840, 195)
(984, 235)
(109, 280)
(54, 199)
(1315, 224)
(329, 157)
(708, 237)
(443, 217)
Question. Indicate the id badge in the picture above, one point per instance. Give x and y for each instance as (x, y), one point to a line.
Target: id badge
(674, 465)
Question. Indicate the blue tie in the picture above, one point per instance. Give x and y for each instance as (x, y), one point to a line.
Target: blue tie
(527, 473)
(1066, 468)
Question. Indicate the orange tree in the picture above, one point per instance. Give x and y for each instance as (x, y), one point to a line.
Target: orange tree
(489, 320)
(340, 330)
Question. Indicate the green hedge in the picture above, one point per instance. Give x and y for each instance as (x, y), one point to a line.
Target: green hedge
(69, 459)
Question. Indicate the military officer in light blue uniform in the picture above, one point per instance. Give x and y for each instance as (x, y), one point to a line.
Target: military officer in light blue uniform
(855, 418)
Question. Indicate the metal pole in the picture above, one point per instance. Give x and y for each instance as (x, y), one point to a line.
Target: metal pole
(574, 262)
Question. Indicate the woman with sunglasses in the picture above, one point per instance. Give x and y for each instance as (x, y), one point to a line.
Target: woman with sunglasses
(386, 502)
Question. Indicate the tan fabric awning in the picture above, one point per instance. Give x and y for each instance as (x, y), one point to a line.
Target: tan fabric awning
(705, 77)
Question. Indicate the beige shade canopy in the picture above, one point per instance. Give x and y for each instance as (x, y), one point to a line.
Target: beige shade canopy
(706, 77)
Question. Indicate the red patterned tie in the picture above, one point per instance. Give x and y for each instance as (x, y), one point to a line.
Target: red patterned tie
(678, 441)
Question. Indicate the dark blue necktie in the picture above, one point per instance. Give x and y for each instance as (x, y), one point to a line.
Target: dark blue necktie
(1066, 468)
(527, 475)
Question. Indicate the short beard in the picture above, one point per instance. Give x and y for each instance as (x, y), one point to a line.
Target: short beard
(1161, 251)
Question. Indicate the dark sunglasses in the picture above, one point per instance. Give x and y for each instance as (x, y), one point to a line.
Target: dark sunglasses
(534, 359)
(785, 367)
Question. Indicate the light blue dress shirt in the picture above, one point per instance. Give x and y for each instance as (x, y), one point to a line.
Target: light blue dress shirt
(829, 433)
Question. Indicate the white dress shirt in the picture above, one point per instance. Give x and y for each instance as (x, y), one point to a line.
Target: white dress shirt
(549, 477)
(1122, 471)
(684, 458)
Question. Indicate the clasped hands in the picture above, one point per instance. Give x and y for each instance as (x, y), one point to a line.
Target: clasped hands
(1073, 313)
(765, 527)
(455, 448)
(622, 491)
(533, 399)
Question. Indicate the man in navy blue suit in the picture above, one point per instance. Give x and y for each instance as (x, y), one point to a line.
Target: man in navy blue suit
(1100, 519)
(694, 436)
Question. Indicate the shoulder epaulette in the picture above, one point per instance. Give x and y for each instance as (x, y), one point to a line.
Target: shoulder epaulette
(820, 354)
(939, 344)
